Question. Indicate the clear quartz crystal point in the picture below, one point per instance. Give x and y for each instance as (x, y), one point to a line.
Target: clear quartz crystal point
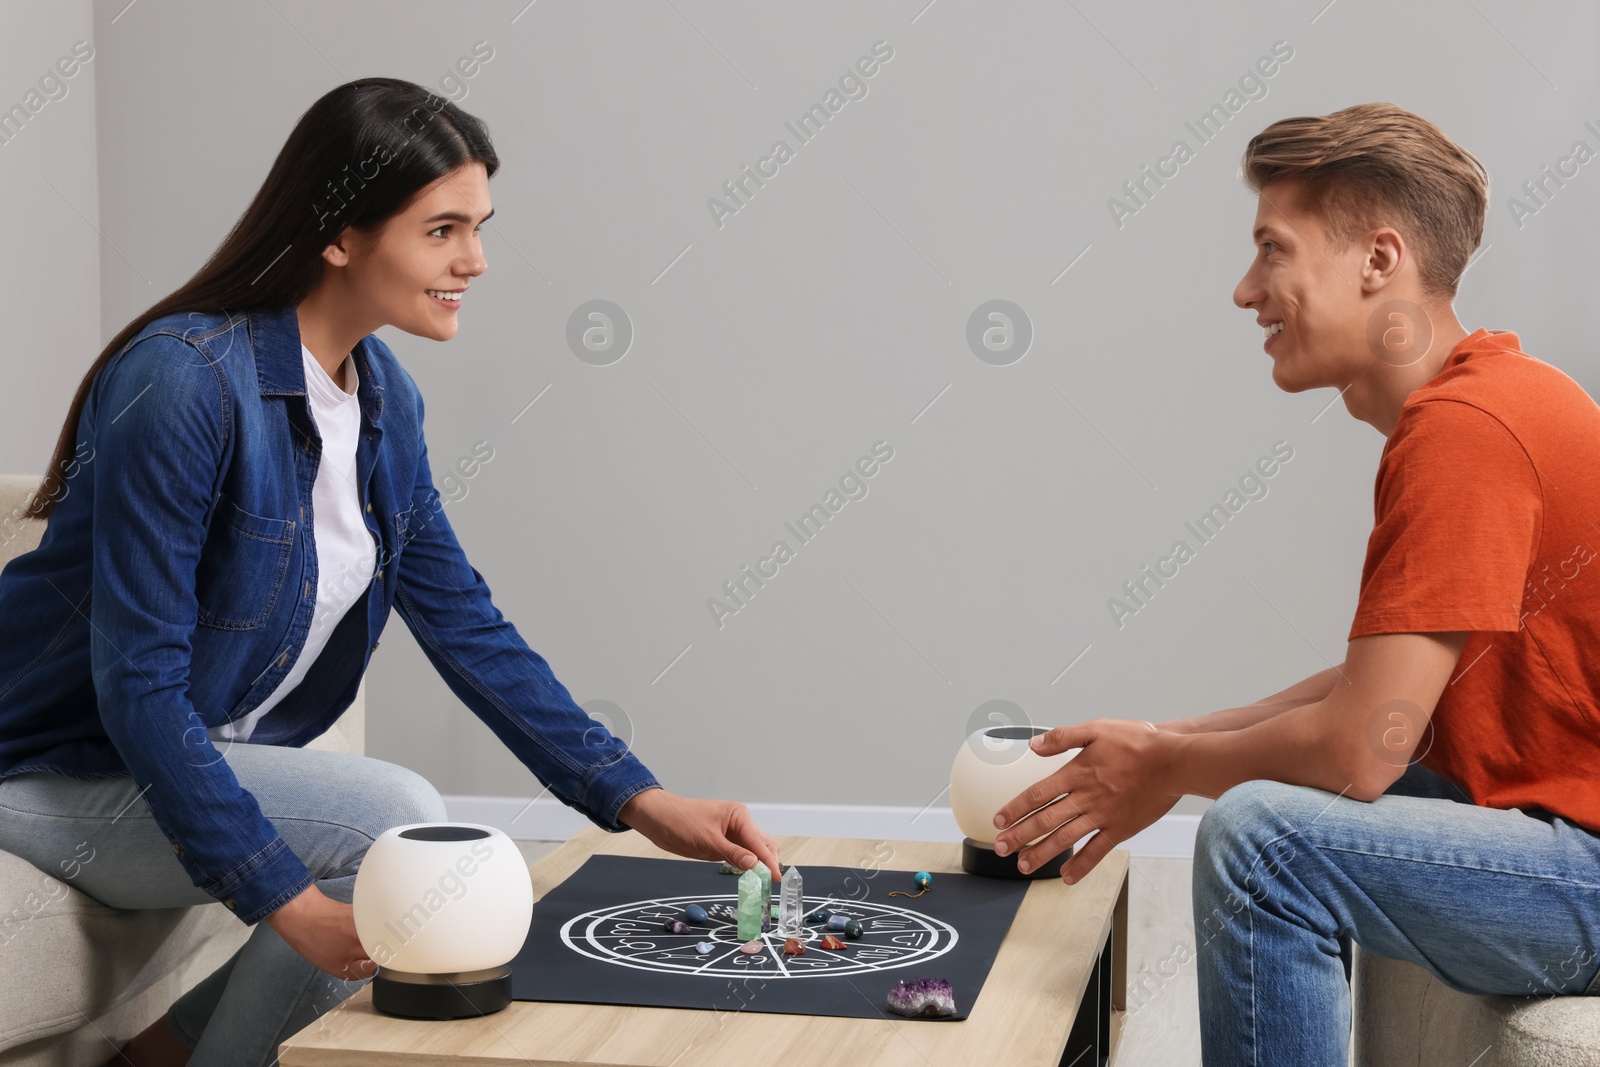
(791, 904)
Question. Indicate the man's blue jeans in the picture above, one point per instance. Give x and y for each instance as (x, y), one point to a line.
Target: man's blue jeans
(1488, 901)
(328, 806)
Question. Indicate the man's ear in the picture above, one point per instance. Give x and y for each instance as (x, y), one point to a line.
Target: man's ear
(1387, 252)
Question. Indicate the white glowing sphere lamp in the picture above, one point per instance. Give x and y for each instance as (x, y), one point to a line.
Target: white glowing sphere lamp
(442, 909)
(992, 767)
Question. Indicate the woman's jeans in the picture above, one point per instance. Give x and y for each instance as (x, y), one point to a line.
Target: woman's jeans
(1488, 901)
(328, 806)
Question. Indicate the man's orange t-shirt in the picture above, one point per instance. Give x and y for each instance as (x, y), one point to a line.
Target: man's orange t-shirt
(1486, 507)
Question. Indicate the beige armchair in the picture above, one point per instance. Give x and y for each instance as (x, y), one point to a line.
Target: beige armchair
(1405, 1015)
(78, 979)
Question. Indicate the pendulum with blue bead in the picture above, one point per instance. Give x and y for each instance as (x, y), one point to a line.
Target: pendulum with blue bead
(924, 882)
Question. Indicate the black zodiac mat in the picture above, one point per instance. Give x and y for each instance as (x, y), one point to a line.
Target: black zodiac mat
(600, 938)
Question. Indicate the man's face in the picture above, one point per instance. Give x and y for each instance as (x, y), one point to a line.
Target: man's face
(420, 250)
(1313, 290)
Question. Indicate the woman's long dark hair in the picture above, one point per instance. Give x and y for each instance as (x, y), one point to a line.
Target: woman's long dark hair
(356, 158)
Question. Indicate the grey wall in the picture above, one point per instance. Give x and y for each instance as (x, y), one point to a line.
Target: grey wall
(50, 214)
(773, 351)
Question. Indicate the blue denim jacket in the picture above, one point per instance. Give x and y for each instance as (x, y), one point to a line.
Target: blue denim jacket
(176, 583)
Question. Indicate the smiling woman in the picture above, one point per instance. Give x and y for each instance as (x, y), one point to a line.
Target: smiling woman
(412, 273)
(251, 444)
(368, 152)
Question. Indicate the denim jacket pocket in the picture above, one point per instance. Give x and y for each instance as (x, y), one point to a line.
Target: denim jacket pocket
(242, 568)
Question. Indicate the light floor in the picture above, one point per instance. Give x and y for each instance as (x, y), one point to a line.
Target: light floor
(1163, 1022)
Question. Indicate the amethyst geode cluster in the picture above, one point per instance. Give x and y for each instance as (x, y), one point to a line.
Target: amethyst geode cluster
(930, 997)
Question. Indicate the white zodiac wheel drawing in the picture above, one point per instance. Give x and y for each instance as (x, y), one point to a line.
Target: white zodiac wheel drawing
(634, 935)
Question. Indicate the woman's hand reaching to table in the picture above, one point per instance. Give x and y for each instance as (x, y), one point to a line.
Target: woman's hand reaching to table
(700, 829)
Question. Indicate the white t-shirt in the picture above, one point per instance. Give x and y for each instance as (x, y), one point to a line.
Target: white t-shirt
(346, 551)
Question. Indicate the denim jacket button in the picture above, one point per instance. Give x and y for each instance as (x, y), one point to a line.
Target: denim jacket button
(369, 505)
(176, 848)
(228, 903)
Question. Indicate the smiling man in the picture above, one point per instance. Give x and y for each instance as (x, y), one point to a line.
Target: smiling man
(1433, 796)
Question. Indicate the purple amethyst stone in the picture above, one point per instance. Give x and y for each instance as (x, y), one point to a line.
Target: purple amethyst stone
(923, 997)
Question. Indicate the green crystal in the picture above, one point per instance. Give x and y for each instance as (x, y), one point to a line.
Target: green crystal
(765, 876)
(766, 890)
(852, 929)
(752, 905)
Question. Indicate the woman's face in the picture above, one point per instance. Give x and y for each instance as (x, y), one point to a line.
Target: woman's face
(432, 246)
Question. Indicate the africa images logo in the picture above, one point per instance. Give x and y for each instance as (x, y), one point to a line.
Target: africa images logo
(852, 486)
(852, 85)
(1207, 127)
(1252, 486)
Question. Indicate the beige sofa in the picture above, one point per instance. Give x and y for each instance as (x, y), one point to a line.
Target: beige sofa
(1403, 1015)
(78, 979)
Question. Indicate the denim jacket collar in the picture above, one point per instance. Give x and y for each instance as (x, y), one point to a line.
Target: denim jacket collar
(275, 335)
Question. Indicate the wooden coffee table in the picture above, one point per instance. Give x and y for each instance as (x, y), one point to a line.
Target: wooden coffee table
(1055, 995)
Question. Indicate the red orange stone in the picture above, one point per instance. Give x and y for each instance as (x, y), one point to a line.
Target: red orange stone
(831, 943)
(793, 947)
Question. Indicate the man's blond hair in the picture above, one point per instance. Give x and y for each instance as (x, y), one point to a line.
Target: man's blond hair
(1375, 165)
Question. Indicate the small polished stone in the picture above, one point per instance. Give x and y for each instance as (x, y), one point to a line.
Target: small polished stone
(677, 926)
(837, 923)
(819, 916)
(750, 948)
(775, 913)
(852, 929)
(704, 948)
(793, 947)
(831, 943)
(695, 914)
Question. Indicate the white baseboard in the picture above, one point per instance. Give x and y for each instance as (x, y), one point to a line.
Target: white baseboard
(547, 819)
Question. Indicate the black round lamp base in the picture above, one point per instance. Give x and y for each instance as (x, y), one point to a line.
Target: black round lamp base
(442, 996)
(981, 859)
